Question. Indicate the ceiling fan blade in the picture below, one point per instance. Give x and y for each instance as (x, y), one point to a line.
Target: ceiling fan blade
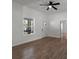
(50, 2)
(47, 8)
(54, 7)
(44, 4)
(56, 4)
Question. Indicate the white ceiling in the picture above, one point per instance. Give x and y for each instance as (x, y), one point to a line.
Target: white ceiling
(35, 4)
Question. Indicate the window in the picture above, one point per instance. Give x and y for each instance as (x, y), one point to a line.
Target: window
(28, 25)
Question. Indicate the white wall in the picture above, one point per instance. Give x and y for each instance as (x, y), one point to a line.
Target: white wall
(53, 28)
(18, 13)
(17, 35)
(39, 20)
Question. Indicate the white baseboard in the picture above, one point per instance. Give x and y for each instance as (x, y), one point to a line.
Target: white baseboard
(22, 42)
(53, 36)
(32, 39)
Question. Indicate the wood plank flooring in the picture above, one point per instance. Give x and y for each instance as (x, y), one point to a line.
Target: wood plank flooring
(45, 48)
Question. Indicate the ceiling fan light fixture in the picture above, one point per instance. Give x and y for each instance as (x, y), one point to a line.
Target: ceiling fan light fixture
(50, 6)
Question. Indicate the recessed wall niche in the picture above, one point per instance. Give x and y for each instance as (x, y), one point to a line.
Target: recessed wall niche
(28, 25)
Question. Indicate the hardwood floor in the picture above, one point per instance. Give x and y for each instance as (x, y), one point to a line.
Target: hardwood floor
(45, 48)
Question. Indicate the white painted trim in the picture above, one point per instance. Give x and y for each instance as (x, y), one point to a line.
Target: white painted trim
(53, 36)
(22, 42)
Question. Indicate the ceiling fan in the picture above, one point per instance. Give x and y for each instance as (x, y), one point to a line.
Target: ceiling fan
(50, 4)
